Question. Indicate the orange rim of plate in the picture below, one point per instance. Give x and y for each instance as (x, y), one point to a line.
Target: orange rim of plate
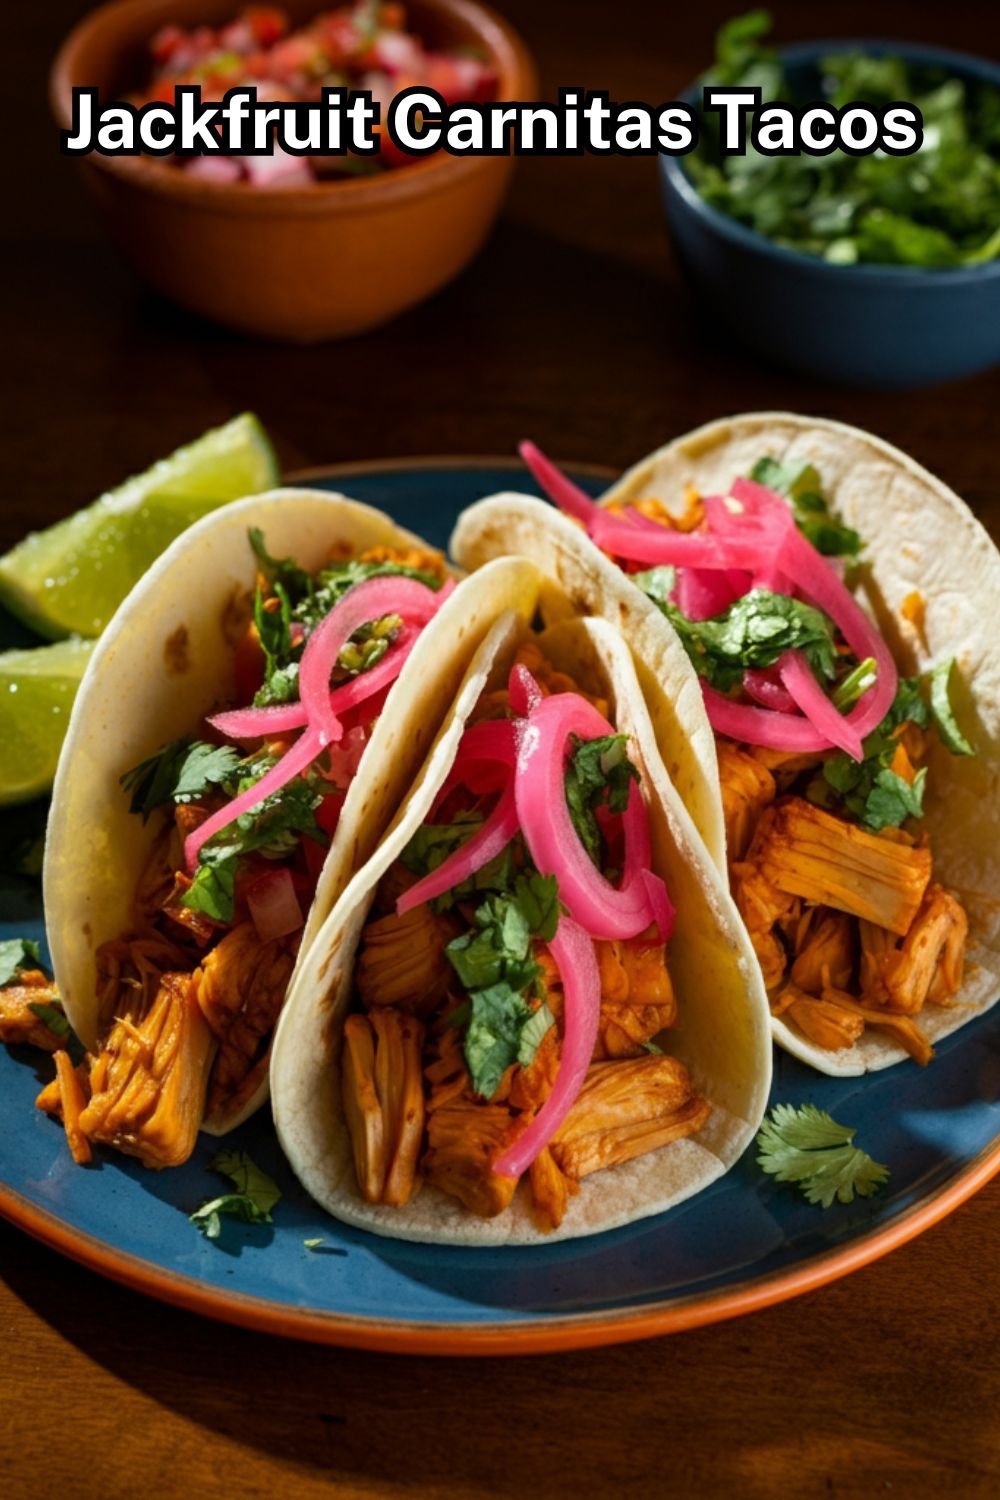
(554, 1335)
(576, 1331)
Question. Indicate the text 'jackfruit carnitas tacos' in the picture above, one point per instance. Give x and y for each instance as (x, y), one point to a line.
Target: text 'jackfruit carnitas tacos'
(242, 737)
(833, 599)
(535, 1011)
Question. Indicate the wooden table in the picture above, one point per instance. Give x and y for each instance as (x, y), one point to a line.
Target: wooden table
(574, 327)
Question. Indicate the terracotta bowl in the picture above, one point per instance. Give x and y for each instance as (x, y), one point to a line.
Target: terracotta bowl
(303, 264)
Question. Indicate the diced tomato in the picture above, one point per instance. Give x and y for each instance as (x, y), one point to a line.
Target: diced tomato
(166, 42)
(267, 23)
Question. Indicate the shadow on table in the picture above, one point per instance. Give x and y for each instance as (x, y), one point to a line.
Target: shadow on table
(791, 1393)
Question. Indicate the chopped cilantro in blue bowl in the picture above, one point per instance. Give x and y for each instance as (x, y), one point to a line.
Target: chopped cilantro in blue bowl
(817, 296)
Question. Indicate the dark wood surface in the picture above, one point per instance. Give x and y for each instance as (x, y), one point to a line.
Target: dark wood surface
(574, 327)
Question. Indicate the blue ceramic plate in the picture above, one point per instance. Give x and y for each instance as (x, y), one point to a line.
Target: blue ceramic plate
(745, 1242)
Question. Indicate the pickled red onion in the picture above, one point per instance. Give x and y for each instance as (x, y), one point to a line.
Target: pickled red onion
(798, 678)
(292, 763)
(367, 601)
(491, 840)
(703, 593)
(254, 723)
(761, 726)
(762, 685)
(659, 900)
(484, 760)
(573, 952)
(553, 842)
(560, 490)
(522, 690)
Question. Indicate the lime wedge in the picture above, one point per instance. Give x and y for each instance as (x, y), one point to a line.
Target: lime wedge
(37, 688)
(71, 578)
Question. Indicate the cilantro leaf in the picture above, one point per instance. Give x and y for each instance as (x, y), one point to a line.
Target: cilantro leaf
(274, 629)
(52, 1015)
(213, 888)
(892, 800)
(754, 631)
(599, 774)
(17, 954)
(943, 713)
(252, 1202)
(494, 963)
(807, 1147)
(799, 482)
(273, 827)
(180, 772)
(295, 581)
(503, 1029)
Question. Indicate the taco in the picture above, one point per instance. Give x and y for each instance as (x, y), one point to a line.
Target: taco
(534, 1014)
(247, 726)
(833, 599)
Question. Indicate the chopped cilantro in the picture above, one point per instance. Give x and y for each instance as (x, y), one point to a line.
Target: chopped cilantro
(274, 627)
(754, 631)
(599, 774)
(807, 1147)
(17, 954)
(180, 772)
(503, 1029)
(869, 789)
(493, 961)
(272, 827)
(252, 1202)
(296, 582)
(800, 483)
(938, 206)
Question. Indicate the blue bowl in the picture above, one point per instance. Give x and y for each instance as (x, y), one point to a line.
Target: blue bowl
(868, 325)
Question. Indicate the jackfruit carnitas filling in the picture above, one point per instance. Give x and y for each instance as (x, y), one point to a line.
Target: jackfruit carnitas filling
(410, 1107)
(847, 925)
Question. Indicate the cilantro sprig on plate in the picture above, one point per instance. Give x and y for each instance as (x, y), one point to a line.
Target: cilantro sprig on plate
(806, 1146)
(252, 1200)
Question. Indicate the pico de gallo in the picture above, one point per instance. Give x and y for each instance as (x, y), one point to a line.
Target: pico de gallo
(823, 746)
(361, 46)
(190, 994)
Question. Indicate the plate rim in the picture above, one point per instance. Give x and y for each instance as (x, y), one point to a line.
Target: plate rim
(572, 1331)
(562, 1333)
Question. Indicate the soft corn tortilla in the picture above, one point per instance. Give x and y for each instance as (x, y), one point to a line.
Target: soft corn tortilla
(722, 1033)
(164, 662)
(919, 537)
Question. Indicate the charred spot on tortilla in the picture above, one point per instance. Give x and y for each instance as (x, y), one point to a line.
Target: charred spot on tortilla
(235, 616)
(176, 655)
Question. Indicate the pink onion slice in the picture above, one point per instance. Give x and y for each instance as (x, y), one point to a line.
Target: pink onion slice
(366, 601)
(798, 678)
(255, 723)
(274, 905)
(762, 685)
(491, 840)
(663, 908)
(703, 593)
(523, 691)
(560, 490)
(573, 952)
(484, 761)
(761, 726)
(292, 763)
(555, 847)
